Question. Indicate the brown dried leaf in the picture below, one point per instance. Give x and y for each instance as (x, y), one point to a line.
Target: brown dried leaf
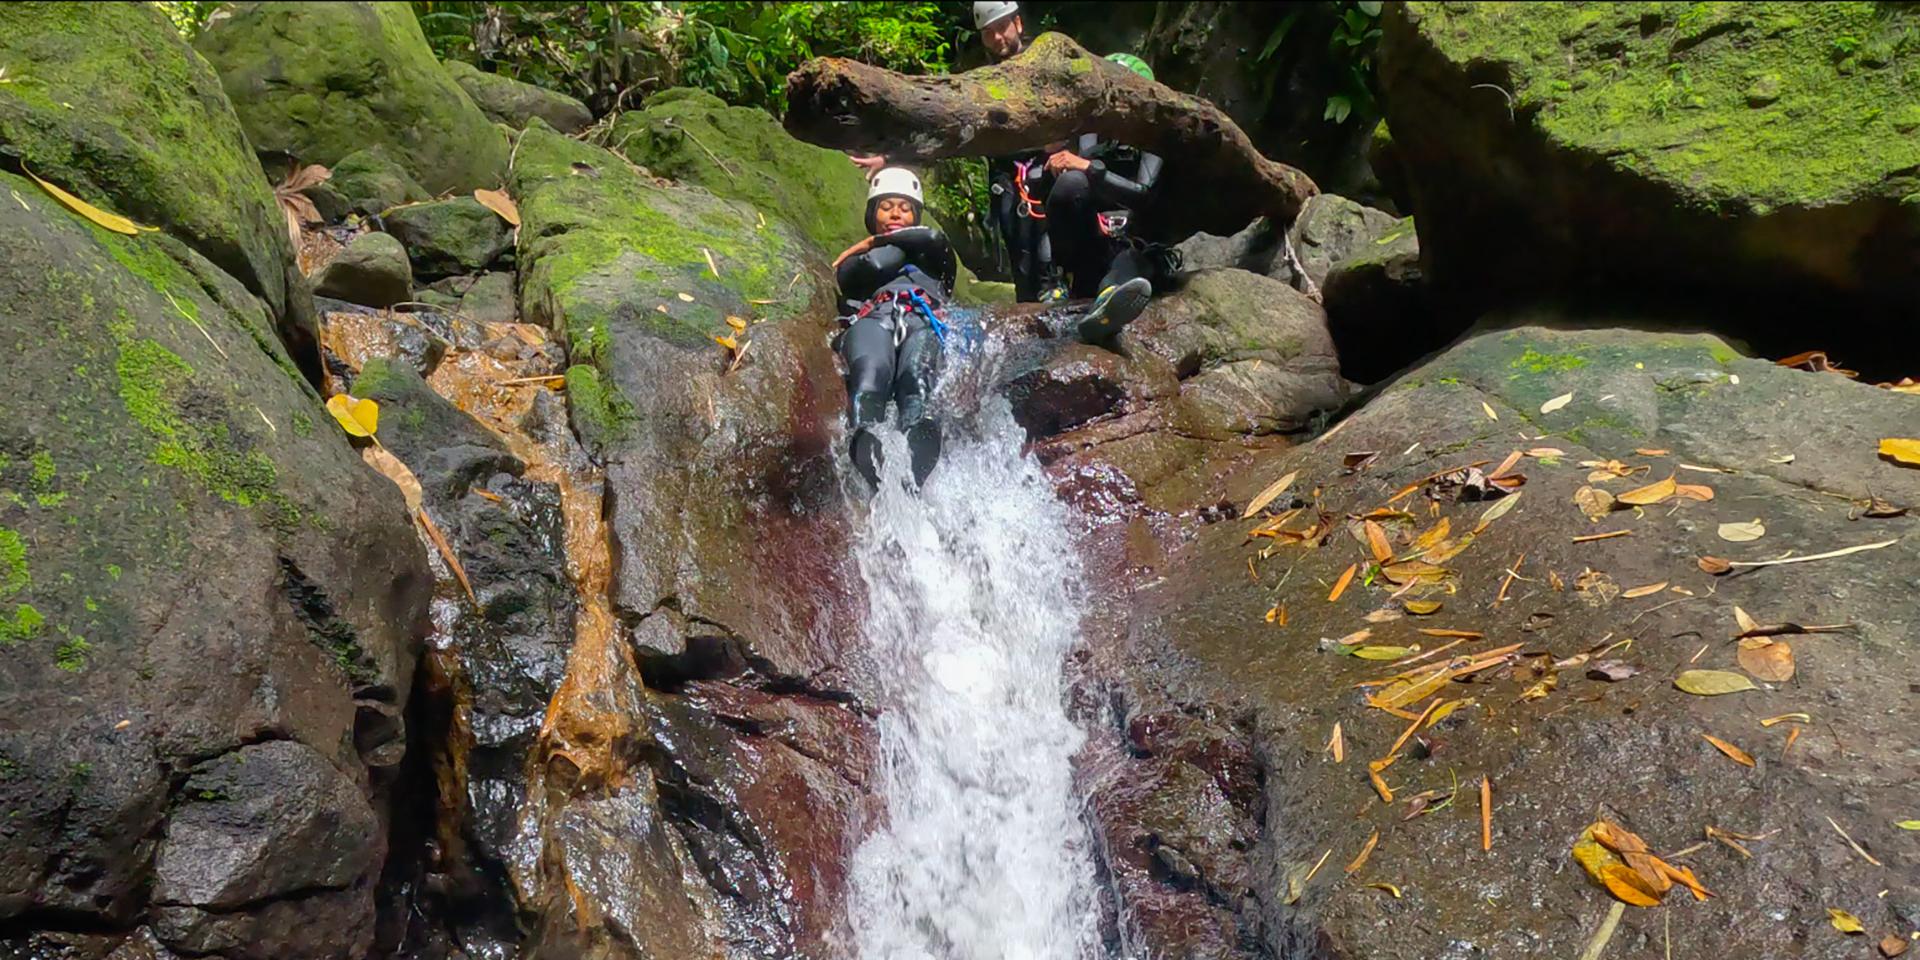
(1541, 453)
(1377, 541)
(1445, 633)
(1890, 945)
(1340, 586)
(1505, 465)
(1770, 660)
(1714, 565)
(1338, 744)
(500, 203)
(1650, 494)
(1650, 453)
(1611, 671)
(1433, 535)
(1358, 461)
(1644, 591)
(1742, 532)
(1693, 491)
(1594, 502)
(1738, 755)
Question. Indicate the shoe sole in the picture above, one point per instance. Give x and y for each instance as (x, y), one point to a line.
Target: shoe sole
(1126, 304)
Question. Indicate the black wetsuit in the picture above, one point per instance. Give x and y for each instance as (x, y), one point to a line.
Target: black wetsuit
(1119, 185)
(1024, 236)
(892, 344)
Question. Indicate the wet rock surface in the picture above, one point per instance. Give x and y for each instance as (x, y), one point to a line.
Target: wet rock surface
(446, 237)
(1198, 638)
(371, 271)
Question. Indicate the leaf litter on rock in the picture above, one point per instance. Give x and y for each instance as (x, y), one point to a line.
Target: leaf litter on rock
(1734, 753)
(1712, 683)
(1742, 532)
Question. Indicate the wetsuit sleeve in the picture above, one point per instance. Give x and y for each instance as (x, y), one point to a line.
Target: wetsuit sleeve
(1112, 188)
(926, 248)
(859, 276)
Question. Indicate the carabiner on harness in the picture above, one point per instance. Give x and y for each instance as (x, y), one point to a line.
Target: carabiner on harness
(926, 310)
(1028, 206)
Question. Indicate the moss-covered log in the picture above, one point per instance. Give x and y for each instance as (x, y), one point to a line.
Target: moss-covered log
(1215, 181)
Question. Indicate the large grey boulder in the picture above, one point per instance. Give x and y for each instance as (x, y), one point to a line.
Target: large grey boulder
(506, 100)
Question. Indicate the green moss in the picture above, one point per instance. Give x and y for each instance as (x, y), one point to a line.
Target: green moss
(1533, 361)
(995, 89)
(71, 655)
(14, 575)
(601, 413)
(1736, 104)
(1721, 353)
(24, 625)
(113, 571)
(302, 424)
(153, 381)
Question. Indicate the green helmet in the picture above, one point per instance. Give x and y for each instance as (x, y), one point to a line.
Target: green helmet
(1133, 63)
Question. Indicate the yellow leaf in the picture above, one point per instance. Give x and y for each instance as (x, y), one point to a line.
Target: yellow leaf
(360, 418)
(1645, 591)
(1340, 586)
(1378, 652)
(1742, 532)
(1650, 494)
(1273, 490)
(1365, 852)
(1338, 744)
(737, 324)
(728, 341)
(1421, 608)
(111, 221)
(685, 297)
(1907, 824)
(1384, 887)
(1628, 886)
(1489, 410)
(1901, 449)
(711, 265)
(500, 203)
(1783, 718)
(1738, 755)
(1845, 922)
(1425, 541)
(1712, 683)
(1557, 402)
(1495, 512)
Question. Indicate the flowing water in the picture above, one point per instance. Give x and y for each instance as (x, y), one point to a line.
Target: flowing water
(974, 590)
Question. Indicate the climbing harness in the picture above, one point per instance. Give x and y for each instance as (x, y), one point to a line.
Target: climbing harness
(1029, 207)
(911, 299)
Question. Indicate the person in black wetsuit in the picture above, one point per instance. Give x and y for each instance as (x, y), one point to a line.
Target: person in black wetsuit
(1093, 215)
(1018, 182)
(893, 285)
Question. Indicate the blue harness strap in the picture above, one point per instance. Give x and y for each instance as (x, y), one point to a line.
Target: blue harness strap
(926, 310)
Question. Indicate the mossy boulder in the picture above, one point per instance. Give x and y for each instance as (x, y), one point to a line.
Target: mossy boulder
(1378, 306)
(445, 237)
(1749, 155)
(322, 80)
(106, 101)
(372, 271)
(506, 100)
(372, 181)
(193, 559)
(688, 135)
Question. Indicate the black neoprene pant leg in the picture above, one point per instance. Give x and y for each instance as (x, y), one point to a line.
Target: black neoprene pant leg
(1074, 229)
(1025, 238)
(867, 348)
(916, 370)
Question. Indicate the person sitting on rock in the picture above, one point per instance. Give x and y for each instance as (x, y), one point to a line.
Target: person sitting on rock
(894, 284)
(1093, 216)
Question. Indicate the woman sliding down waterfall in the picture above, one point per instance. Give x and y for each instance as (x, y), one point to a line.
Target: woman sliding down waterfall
(973, 592)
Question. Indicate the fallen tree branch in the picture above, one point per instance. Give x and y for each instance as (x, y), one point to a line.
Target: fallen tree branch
(1215, 181)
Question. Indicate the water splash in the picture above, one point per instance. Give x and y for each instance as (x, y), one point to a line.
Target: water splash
(973, 586)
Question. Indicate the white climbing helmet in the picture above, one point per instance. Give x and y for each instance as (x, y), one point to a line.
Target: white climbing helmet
(895, 182)
(892, 182)
(992, 11)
